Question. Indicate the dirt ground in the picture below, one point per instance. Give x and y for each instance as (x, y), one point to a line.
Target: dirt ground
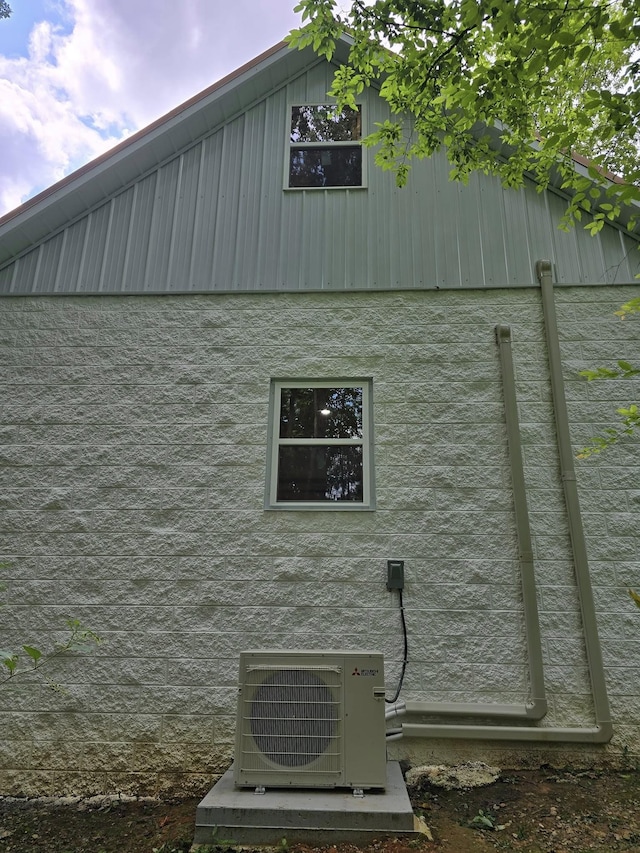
(542, 811)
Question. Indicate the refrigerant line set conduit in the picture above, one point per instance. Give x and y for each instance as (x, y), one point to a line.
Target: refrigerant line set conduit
(536, 708)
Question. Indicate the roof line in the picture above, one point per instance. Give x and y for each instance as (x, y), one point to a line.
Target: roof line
(140, 134)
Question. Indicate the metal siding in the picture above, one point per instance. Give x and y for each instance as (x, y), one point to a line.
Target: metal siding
(540, 230)
(26, 269)
(402, 261)
(446, 227)
(471, 224)
(184, 220)
(70, 268)
(95, 250)
(590, 254)
(270, 251)
(492, 231)
(216, 217)
(518, 256)
(202, 262)
(568, 268)
(251, 212)
(50, 253)
(229, 238)
(139, 233)
(291, 250)
(115, 250)
(422, 225)
(621, 258)
(6, 278)
(380, 211)
(631, 258)
(314, 244)
(162, 221)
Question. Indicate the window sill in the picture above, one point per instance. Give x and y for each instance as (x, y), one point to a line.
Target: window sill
(308, 507)
(322, 189)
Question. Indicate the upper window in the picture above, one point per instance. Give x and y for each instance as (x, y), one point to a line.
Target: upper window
(320, 452)
(325, 147)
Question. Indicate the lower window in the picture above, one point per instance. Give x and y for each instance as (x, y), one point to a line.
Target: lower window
(320, 446)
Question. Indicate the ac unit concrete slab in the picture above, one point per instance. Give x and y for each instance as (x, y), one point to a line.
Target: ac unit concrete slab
(234, 816)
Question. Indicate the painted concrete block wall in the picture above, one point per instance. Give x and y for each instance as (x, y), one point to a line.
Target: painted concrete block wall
(134, 436)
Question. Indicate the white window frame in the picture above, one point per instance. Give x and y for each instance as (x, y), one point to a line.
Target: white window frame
(366, 442)
(349, 143)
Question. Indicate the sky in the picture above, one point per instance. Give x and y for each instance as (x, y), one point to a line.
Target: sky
(78, 76)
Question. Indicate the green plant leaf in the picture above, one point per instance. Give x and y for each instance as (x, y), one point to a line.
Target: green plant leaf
(34, 654)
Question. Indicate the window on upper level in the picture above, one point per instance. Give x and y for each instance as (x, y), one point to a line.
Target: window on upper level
(320, 450)
(325, 147)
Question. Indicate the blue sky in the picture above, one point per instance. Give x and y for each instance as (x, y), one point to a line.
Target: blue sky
(77, 76)
(14, 33)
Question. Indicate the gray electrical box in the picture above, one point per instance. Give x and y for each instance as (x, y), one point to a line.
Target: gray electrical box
(395, 574)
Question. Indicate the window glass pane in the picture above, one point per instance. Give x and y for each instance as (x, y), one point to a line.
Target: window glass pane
(326, 167)
(324, 123)
(312, 473)
(321, 413)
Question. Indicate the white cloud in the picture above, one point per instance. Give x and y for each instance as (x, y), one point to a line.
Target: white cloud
(114, 68)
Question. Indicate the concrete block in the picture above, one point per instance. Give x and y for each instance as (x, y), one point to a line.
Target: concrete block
(233, 816)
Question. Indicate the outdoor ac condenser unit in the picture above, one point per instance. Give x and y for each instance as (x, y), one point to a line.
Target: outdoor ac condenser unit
(311, 719)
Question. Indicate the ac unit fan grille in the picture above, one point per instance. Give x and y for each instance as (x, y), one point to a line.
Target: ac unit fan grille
(294, 716)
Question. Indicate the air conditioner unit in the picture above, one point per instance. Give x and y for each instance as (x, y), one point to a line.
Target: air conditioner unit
(311, 719)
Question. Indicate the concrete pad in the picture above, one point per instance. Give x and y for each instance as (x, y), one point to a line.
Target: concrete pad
(233, 815)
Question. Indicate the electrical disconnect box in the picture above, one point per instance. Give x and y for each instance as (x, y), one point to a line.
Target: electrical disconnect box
(395, 574)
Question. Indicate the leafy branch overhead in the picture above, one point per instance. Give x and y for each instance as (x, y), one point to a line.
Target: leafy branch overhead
(629, 416)
(544, 78)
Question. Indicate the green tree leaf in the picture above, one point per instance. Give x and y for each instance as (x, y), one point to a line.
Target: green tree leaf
(559, 78)
(34, 654)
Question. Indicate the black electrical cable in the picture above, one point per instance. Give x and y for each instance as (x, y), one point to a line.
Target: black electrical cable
(406, 652)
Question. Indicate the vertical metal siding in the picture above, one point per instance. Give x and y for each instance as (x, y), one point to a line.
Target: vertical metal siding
(519, 257)
(631, 258)
(184, 221)
(69, 269)
(540, 229)
(471, 224)
(138, 233)
(162, 218)
(216, 217)
(6, 278)
(492, 232)
(422, 231)
(50, 256)
(445, 224)
(228, 239)
(273, 236)
(621, 257)
(116, 246)
(590, 256)
(565, 242)
(250, 211)
(95, 249)
(202, 262)
(25, 272)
